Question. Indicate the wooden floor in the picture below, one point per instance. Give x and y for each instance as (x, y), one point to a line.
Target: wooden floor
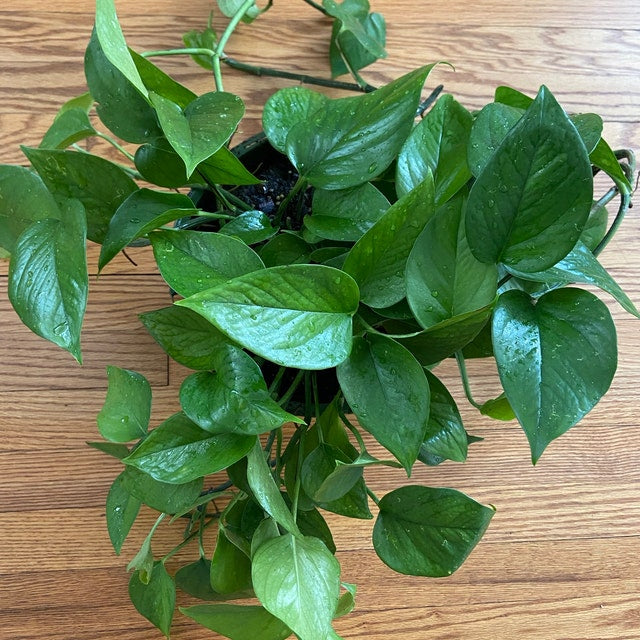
(561, 560)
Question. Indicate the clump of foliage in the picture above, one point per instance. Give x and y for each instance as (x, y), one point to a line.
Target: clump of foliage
(398, 245)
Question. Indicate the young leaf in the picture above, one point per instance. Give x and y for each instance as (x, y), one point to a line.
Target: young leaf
(443, 278)
(234, 399)
(347, 601)
(266, 491)
(378, 260)
(250, 226)
(48, 278)
(202, 128)
(498, 409)
(297, 315)
(389, 393)
(352, 140)
(556, 358)
(24, 199)
(230, 7)
(423, 531)
(178, 451)
(185, 336)
(580, 266)
(100, 185)
(297, 579)
(122, 510)
(205, 39)
(529, 205)
(127, 407)
(437, 145)
(346, 215)
(192, 261)
(156, 600)
(238, 622)
(143, 211)
(230, 570)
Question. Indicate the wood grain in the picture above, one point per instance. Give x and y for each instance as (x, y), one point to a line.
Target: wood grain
(560, 560)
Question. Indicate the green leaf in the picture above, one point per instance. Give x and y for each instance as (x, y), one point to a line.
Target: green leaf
(423, 531)
(389, 393)
(346, 215)
(582, 267)
(230, 568)
(443, 278)
(24, 198)
(205, 39)
(230, 7)
(122, 510)
(266, 530)
(178, 451)
(347, 601)
(70, 125)
(352, 140)
(158, 163)
(199, 130)
(156, 600)
(513, 98)
(556, 358)
(238, 622)
(498, 408)
(234, 399)
(250, 226)
(194, 579)
(142, 562)
(298, 581)
(98, 184)
(161, 496)
(437, 145)
(266, 491)
(114, 449)
(378, 260)
(529, 205)
(596, 226)
(111, 38)
(297, 315)
(589, 126)
(185, 336)
(193, 261)
(285, 109)
(48, 279)
(604, 158)
(143, 211)
(285, 248)
(445, 436)
(120, 106)
(127, 408)
(223, 167)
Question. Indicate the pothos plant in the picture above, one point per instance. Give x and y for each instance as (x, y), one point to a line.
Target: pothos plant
(316, 289)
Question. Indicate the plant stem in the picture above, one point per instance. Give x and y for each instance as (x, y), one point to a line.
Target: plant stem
(231, 197)
(300, 77)
(189, 51)
(316, 401)
(352, 428)
(275, 384)
(465, 379)
(300, 185)
(362, 83)
(298, 483)
(116, 145)
(373, 496)
(188, 539)
(286, 396)
(317, 6)
(429, 100)
(625, 203)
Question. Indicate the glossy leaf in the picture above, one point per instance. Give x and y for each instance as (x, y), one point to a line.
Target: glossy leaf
(202, 128)
(178, 451)
(193, 261)
(194, 579)
(582, 267)
(158, 163)
(378, 260)
(250, 226)
(230, 570)
(127, 407)
(122, 509)
(298, 316)
(142, 212)
(114, 449)
(352, 140)
(596, 226)
(285, 109)
(98, 184)
(512, 98)
(389, 393)
(185, 336)
(529, 205)
(589, 126)
(428, 532)
(346, 215)
(156, 600)
(234, 399)
(285, 248)
(443, 278)
(556, 358)
(48, 279)
(498, 408)
(238, 622)
(604, 158)
(437, 145)
(223, 167)
(24, 199)
(298, 581)
(70, 125)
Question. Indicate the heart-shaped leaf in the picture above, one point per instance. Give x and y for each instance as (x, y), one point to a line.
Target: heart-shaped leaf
(389, 393)
(423, 531)
(251, 227)
(230, 570)
(121, 511)
(155, 600)
(199, 130)
(70, 125)
(556, 358)
(297, 315)
(192, 261)
(529, 205)
(48, 278)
